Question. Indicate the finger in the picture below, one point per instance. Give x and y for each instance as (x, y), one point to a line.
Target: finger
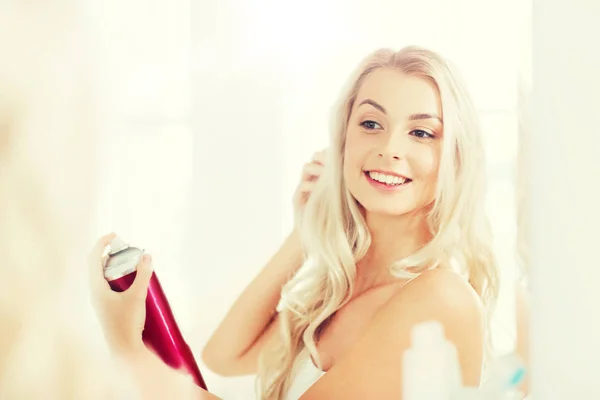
(139, 288)
(311, 171)
(303, 198)
(319, 157)
(100, 246)
(95, 264)
(303, 192)
(306, 187)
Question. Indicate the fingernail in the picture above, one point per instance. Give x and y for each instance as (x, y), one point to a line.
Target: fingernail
(147, 258)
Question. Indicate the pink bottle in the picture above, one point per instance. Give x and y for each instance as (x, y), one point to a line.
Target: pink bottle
(161, 333)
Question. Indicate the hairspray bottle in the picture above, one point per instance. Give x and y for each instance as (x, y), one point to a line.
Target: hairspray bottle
(161, 333)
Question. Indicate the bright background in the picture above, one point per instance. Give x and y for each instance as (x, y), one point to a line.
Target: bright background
(211, 109)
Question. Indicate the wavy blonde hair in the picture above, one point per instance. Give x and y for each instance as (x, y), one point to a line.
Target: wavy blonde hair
(335, 235)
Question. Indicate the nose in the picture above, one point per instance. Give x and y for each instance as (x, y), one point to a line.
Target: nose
(393, 146)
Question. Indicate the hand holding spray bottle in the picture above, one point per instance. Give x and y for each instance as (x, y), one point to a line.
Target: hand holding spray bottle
(161, 333)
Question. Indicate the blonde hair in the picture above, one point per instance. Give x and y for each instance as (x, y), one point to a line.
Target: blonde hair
(335, 235)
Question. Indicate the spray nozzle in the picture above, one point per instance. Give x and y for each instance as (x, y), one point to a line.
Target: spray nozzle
(117, 244)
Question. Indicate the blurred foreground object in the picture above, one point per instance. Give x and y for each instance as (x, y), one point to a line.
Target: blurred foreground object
(47, 191)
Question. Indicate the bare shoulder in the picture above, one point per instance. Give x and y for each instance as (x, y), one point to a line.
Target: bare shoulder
(439, 291)
(444, 296)
(372, 367)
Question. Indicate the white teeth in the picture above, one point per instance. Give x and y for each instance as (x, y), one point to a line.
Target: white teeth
(387, 179)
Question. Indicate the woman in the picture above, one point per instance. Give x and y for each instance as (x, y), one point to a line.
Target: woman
(390, 231)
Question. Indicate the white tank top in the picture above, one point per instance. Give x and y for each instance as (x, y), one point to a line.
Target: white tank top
(305, 374)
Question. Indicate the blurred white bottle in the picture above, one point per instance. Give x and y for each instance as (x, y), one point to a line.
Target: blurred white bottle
(430, 368)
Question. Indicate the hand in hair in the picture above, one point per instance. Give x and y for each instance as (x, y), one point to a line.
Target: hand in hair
(310, 176)
(252, 322)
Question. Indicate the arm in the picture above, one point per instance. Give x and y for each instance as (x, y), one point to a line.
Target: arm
(234, 347)
(252, 322)
(372, 368)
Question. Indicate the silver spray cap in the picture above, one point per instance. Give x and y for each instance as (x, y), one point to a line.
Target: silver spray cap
(122, 259)
(117, 245)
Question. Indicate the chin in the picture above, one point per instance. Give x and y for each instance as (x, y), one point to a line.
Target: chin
(388, 211)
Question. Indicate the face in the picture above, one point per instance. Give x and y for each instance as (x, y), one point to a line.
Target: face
(393, 143)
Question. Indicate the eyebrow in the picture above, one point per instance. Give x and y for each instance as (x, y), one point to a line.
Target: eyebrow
(413, 117)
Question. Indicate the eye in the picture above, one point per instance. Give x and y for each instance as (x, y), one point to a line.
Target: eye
(422, 134)
(370, 125)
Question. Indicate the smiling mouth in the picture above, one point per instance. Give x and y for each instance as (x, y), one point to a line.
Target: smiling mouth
(387, 180)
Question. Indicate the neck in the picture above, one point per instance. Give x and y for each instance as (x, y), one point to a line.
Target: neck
(392, 238)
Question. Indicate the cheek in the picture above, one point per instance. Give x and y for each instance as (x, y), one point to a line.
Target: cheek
(353, 153)
(426, 165)
(349, 164)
